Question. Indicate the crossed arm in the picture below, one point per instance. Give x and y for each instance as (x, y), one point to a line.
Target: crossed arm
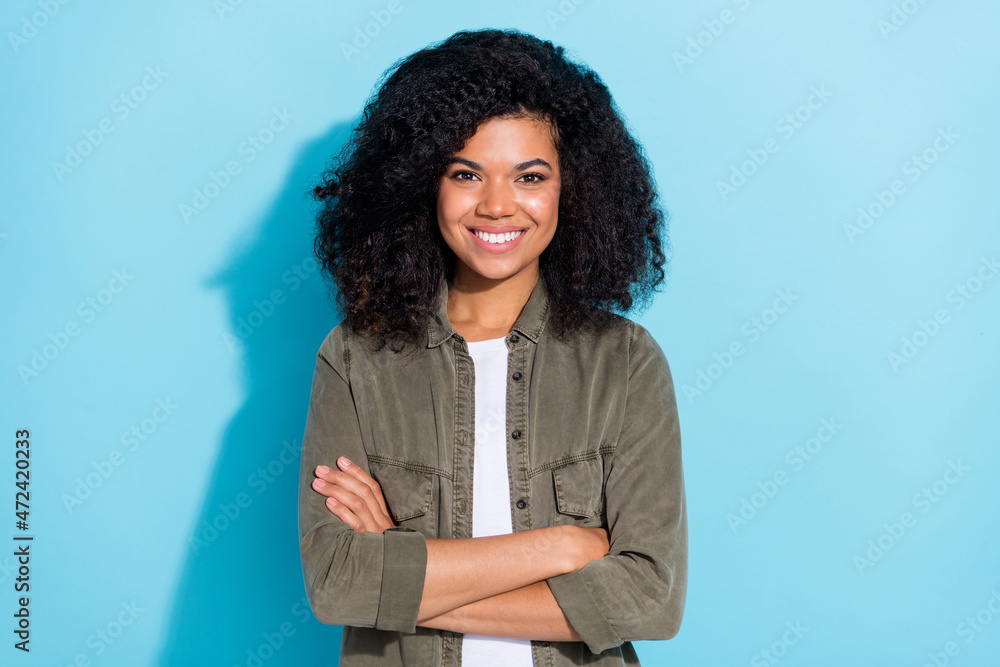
(505, 585)
(486, 585)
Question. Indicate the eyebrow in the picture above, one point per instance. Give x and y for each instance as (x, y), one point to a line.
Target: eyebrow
(517, 167)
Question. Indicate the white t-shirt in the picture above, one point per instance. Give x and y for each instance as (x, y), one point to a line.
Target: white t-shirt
(491, 489)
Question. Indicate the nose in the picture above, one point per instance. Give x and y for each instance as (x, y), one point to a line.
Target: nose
(497, 200)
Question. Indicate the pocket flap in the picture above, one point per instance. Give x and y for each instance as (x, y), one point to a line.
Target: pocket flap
(579, 487)
(407, 492)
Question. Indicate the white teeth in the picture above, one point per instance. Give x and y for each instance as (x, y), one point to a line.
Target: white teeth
(498, 238)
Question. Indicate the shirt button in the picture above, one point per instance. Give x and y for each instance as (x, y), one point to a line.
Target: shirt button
(514, 338)
(515, 434)
(517, 375)
(460, 506)
(464, 378)
(521, 504)
(465, 438)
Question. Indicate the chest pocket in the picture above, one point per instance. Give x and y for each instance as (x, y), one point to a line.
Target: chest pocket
(579, 489)
(408, 493)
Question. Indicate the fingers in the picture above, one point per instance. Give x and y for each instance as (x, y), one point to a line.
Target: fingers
(347, 516)
(353, 500)
(352, 483)
(355, 471)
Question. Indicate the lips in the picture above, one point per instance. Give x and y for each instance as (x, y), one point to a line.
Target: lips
(497, 230)
(498, 245)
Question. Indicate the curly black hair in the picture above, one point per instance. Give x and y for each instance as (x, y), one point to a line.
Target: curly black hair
(377, 233)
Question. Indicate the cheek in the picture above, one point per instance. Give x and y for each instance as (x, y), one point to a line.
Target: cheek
(543, 206)
(451, 208)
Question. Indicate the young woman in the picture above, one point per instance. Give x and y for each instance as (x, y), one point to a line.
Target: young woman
(491, 467)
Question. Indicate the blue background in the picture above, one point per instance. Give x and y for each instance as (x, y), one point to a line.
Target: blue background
(705, 91)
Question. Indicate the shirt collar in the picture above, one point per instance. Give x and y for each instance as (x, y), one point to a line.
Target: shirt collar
(530, 322)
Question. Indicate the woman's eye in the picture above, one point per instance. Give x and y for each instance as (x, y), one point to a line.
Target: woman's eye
(470, 176)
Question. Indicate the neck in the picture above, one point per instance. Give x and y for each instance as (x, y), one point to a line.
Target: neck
(481, 307)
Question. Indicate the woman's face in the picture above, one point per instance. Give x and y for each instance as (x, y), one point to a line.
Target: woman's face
(502, 185)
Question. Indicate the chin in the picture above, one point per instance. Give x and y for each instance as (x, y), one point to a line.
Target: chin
(496, 275)
(494, 272)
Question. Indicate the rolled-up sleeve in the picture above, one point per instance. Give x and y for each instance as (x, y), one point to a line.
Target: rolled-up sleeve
(638, 590)
(357, 579)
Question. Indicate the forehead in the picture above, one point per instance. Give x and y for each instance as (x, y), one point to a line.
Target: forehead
(507, 135)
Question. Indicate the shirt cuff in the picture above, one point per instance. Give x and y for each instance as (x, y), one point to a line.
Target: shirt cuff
(573, 595)
(404, 565)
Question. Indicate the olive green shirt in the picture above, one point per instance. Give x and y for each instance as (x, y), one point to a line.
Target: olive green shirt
(592, 440)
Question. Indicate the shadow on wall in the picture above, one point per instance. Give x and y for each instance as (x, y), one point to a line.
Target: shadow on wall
(241, 600)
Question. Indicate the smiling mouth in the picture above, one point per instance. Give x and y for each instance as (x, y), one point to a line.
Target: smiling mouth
(497, 238)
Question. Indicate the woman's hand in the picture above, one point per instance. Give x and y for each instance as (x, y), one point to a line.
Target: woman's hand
(354, 497)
